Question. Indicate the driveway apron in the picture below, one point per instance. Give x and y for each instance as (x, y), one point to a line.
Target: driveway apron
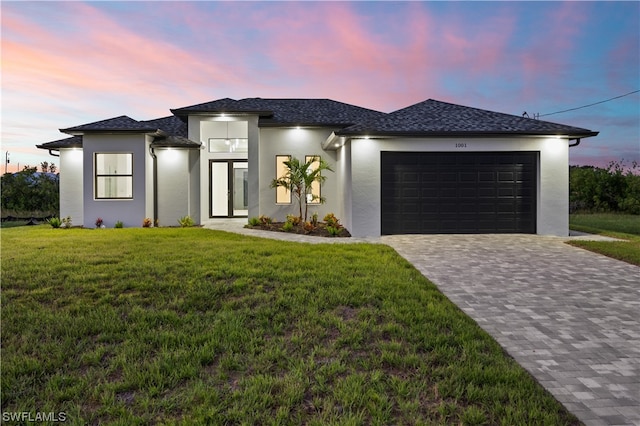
(569, 316)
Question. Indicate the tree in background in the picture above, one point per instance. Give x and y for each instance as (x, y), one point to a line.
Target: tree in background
(31, 191)
(615, 188)
(45, 167)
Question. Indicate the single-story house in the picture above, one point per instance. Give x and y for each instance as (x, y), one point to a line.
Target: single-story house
(432, 167)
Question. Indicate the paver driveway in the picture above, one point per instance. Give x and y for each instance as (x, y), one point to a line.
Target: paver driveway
(570, 317)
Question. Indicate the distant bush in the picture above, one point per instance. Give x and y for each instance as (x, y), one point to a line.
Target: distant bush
(615, 188)
(30, 190)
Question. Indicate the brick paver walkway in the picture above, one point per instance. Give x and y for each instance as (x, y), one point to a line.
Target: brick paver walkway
(570, 317)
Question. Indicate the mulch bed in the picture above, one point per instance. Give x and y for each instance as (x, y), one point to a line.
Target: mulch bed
(318, 231)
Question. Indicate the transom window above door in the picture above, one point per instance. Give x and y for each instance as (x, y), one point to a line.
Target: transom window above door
(225, 136)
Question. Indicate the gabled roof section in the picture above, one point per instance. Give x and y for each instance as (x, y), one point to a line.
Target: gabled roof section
(122, 123)
(436, 118)
(72, 142)
(168, 131)
(286, 112)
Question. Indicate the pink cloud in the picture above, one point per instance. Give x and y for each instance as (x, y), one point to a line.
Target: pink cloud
(107, 60)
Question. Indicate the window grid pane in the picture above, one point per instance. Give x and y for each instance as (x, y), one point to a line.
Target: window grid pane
(113, 175)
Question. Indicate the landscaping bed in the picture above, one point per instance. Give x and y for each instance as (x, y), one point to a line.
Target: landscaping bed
(318, 231)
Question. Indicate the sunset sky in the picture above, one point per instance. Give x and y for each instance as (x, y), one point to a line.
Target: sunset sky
(70, 63)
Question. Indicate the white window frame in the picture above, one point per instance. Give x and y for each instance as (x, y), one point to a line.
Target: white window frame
(128, 176)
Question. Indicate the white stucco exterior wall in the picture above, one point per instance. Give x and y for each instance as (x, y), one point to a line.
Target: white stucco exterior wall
(298, 143)
(552, 183)
(71, 184)
(130, 211)
(148, 180)
(344, 192)
(174, 185)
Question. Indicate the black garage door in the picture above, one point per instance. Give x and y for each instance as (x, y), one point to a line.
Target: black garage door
(464, 193)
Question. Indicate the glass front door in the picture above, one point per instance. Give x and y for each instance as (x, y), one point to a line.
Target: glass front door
(228, 183)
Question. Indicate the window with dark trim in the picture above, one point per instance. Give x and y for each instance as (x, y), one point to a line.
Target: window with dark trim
(113, 176)
(283, 195)
(315, 186)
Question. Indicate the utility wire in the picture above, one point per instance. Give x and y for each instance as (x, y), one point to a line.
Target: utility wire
(585, 106)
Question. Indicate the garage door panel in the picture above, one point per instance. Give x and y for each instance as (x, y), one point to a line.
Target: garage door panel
(458, 192)
(448, 177)
(489, 192)
(410, 192)
(509, 191)
(506, 177)
(468, 193)
(484, 176)
(429, 192)
(468, 177)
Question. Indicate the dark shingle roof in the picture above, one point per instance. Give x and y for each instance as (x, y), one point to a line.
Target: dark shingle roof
(435, 118)
(170, 125)
(116, 124)
(221, 105)
(175, 133)
(286, 112)
(72, 142)
(171, 132)
(428, 118)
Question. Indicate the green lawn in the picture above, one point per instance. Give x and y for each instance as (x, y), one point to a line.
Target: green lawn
(193, 326)
(623, 226)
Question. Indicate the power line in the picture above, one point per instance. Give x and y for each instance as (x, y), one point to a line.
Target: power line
(585, 106)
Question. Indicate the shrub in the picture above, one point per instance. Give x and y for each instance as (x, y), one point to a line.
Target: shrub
(119, 224)
(295, 220)
(331, 220)
(99, 222)
(265, 220)
(308, 227)
(254, 221)
(334, 231)
(55, 222)
(147, 222)
(186, 221)
(288, 226)
(66, 222)
(314, 219)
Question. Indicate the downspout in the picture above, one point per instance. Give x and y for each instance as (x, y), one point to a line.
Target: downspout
(155, 184)
(574, 144)
(51, 153)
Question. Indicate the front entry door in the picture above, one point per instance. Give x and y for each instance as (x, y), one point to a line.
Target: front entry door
(228, 188)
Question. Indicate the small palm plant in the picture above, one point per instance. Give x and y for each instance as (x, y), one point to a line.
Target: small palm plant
(299, 179)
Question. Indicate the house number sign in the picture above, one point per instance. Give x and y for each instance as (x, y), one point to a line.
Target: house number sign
(461, 145)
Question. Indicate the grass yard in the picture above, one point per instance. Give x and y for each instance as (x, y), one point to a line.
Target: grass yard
(623, 226)
(193, 326)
